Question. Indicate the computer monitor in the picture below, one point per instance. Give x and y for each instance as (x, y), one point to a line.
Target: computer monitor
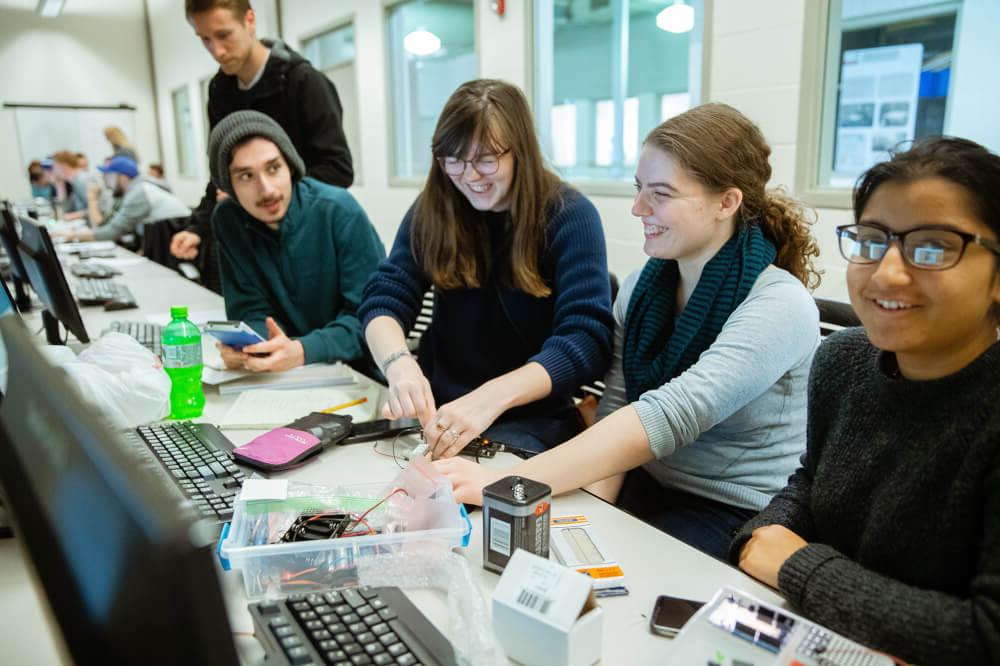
(125, 573)
(7, 304)
(48, 280)
(8, 238)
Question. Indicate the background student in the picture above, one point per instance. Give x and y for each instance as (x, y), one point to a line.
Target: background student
(705, 399)
(294, 253)
(141, 203)
(267, 76)
(120, 145)
(522, 306)
(889, 532)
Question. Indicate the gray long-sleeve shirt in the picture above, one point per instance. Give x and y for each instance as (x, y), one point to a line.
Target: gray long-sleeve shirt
(142, 203)
(732, 426)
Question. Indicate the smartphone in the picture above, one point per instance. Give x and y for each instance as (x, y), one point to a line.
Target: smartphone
(235, 334)
(369, 431)
(670, 614)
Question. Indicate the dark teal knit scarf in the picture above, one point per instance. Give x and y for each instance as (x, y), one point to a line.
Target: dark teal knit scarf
(656, 348)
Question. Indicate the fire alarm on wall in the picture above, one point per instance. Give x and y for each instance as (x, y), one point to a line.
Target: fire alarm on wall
(498, 6)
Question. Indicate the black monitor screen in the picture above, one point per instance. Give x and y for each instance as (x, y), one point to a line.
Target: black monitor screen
(47, 278)
(8, 237)
(6, 301)
(124, 572)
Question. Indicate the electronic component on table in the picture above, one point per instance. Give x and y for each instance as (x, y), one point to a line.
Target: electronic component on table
(100, 292)
(364, 625)
(370, 431)
(745, 629)
(196, 455)
(515, 515)
(146, 333)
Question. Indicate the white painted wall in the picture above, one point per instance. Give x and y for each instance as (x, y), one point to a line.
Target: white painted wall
(94, 53)
(181, 60)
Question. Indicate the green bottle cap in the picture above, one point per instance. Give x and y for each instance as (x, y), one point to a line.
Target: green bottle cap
(179, 312)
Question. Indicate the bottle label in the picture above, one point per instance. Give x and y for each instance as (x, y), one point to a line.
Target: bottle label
(181, 356)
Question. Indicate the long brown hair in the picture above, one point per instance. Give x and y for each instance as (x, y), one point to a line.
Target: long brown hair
(448, 237)
(722, 148)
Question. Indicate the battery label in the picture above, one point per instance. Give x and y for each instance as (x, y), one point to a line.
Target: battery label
(500, 537)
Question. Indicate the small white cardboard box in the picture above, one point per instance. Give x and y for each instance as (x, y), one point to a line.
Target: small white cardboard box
(546, 614)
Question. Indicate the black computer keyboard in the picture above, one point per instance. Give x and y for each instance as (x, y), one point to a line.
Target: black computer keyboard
(197, 457)
(146, 333)
(91, 291)
(349, 626)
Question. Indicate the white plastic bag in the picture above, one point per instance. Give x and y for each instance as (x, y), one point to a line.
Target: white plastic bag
(123, 379)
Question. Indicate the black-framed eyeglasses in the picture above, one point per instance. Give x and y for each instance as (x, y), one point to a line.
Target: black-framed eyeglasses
(485, 165)
(931, 248)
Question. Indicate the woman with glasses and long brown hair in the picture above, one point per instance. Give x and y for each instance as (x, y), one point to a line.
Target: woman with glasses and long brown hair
(518, 262)
(705, 401)
(889, 533)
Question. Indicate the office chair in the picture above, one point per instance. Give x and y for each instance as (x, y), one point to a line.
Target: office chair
(835, 315)
(156, 246)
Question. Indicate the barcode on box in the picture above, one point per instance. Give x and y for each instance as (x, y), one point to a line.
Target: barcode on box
(534, 601)
(500, 537)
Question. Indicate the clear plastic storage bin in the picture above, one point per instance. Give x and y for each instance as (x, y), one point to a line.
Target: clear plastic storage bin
(280, 569)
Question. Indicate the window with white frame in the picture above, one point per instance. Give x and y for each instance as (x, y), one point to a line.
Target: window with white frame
(609, 71)
(333, 52)
(431, 51)
(184, 133)
(902, 70)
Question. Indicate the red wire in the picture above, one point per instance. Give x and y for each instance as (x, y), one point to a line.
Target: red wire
(361, 518)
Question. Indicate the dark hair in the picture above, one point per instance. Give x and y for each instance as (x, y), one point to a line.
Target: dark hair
(960, 161)
(722, 148)
(446, 238)
(239, 8)
(35, 171)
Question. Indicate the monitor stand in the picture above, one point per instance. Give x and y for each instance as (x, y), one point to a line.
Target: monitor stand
(5, 527)
(22, 300)
(51, 328)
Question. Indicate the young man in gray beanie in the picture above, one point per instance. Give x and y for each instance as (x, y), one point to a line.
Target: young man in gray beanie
(294, 253)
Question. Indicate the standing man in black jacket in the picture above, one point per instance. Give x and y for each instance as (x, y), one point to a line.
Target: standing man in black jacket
(265, 76)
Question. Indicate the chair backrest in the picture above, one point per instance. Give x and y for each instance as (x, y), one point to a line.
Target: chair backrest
(835, 315)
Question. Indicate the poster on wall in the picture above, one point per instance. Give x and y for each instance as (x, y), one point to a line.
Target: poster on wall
(877, 108)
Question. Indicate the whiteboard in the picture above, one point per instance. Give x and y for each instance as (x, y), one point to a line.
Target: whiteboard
(44, 131)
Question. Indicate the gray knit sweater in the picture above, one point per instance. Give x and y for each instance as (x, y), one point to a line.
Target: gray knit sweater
(899, 498)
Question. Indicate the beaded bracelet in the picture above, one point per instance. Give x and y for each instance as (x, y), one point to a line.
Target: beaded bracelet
(393, 357)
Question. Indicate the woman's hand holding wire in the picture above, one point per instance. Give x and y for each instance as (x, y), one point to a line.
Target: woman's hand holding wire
(458, 422)
(409, 392)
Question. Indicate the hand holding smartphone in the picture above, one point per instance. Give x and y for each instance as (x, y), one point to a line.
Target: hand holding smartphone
(235, 334)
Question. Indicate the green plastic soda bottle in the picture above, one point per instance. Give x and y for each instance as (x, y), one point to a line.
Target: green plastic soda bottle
(182, 360)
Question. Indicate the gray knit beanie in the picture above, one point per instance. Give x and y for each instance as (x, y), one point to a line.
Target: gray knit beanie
(237, 127)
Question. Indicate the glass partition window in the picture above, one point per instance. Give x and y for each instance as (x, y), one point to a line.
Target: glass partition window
(608, 71)
(431, 52)
(331, 48)
(184, 133)
(902, 70)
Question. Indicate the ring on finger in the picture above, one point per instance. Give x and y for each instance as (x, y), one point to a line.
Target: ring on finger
(454, 434)
(440, 426)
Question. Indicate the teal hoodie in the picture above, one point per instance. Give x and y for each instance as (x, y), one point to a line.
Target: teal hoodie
(308, 274)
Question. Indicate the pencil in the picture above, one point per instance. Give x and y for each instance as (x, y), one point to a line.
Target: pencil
(331, 410)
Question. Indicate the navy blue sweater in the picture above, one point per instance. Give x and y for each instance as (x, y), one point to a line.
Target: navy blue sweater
(478, 334)
(308, 274)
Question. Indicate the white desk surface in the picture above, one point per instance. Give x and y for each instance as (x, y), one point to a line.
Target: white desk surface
(654, 563)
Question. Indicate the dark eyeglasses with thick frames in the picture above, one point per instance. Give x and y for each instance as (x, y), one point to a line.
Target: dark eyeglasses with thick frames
(485, 165)
(932, 248)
